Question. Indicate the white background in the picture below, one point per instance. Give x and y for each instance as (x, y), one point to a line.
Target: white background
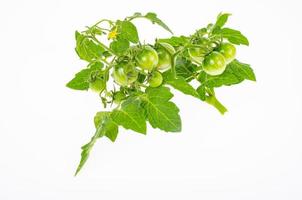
(253, 152)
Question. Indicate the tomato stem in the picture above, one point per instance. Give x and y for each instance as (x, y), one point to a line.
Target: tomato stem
(212, 100)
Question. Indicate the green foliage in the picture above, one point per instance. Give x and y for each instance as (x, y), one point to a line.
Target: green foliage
(104, 126)
(222, 18)
(130, 115)
(233, 36)
(127, 31)
(161, 112)
(154, 19)
(119, 46)
(86, 48)
(142, 94)
(180, 84)
(110, 128)
(235, 73)
(82, 78)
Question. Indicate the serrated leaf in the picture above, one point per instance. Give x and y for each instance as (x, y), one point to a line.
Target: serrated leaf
(102, 129)
(235, 73)
(119, 46)
(180, 84)
(154, 19)
(110, 128)
(130, 115)
(161, 112)
(81, 79)
(234, 36)
(86, 48)
(128, 31)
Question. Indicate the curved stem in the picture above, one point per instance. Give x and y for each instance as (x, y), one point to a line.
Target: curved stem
(103, 20)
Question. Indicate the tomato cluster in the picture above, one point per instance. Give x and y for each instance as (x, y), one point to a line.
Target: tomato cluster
(150, 61)
(213, 62)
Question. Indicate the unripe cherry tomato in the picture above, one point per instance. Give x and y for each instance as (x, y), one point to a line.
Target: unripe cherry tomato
(97, 85)
(124, 75)
(228, 51)
(214, 64)
(197, 53)
(147, 58)
(156, 79)
(165, 53)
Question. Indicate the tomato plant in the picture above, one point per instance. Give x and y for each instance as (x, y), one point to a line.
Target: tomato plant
(137, 78)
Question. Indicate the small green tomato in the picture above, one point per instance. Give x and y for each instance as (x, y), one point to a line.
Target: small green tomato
(156, 79)
(228, 51)
(214, 64)
(147, 58)
(165, 52)
(97, 85)
(124, 76)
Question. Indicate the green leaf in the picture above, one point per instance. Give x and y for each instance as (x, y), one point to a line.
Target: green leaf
(110, 128)
(119, 46)
(222, 18)
(154, 19)
(128, 31)
(103, 128)
(86, 48)
(161, 112)
(130, 115)
(234, 36)
(180, 84)
(235, 73)
(175, 41)
(82, 78)
(184, 68)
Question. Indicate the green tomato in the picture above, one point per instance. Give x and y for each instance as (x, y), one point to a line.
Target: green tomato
(124, 76)
(228, 51)
(165, 56)
(197, 55)
(156, 79)
(214, 64)
(97, 86)
(147, 58)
